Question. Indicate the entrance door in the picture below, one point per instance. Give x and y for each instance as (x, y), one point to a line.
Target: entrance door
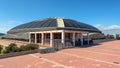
(39, 36)
(47, 39)
(57, 40)
(32, 38)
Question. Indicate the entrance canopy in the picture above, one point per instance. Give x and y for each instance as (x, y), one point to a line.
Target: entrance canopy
(62, 38)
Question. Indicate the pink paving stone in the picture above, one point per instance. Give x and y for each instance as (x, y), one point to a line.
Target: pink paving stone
(76, 62)
(71, 61)
(101, 50)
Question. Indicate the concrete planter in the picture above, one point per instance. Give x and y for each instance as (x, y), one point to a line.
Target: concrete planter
(46, 50)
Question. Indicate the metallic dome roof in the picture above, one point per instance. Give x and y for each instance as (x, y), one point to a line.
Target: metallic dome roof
(55, 23)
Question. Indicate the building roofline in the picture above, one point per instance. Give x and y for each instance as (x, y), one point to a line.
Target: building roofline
(51, 28)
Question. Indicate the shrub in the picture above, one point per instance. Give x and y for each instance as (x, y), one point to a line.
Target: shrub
(1, 47)
(32, 46)
(3, 51)
(12, 48)
(22, 48)
(28, 47)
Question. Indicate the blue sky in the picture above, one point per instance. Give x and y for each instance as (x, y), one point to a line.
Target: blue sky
(104, 14)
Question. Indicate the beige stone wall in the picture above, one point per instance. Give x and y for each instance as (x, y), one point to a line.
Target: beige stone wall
(6, 42)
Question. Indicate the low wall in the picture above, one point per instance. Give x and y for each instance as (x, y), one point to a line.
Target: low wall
(18, 53)
(102, 40)
(41, 50)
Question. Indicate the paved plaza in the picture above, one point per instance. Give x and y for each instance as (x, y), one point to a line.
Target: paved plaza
(104, 55)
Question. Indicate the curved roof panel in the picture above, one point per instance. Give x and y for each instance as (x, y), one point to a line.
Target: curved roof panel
(56, 23)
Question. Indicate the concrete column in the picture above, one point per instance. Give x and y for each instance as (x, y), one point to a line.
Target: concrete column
(81, 39)
(29, 37)
(88, 38)
(51, 39)
(63, 38)
(35, 38)
(42, 39)
(73, 38)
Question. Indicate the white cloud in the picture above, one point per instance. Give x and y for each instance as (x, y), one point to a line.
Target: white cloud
(99, 26)
(7, 25)
(4, 30)
(111, 27)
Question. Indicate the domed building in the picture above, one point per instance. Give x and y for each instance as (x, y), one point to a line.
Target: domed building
(52, 31)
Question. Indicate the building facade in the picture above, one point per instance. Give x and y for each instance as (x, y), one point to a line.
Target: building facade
(54, 31)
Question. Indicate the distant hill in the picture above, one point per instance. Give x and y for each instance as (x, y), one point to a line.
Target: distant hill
(2, 34)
